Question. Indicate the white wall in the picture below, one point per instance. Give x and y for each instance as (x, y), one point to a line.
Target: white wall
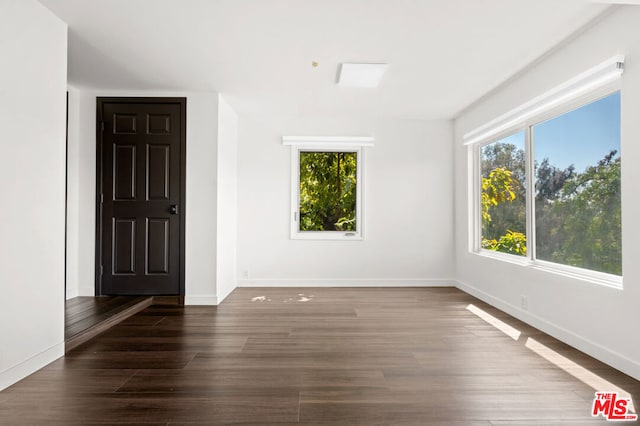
(599, 320)
(201, 233)
(227, 199)
(33, 57)
(81, 188)
(73, 192)
(408, 198)
(201, 190)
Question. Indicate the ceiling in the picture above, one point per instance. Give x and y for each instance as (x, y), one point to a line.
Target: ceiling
(443, 54)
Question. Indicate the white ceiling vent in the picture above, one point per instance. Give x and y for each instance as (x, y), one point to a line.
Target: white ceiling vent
(361, 75)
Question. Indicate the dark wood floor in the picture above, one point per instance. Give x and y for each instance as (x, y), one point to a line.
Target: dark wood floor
(317, 356)
(85, 312)
(86, 317)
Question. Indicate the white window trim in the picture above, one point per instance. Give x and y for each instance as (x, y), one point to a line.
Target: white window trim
(587, 82)
(499, 129)
(326, 144)
(328, 141)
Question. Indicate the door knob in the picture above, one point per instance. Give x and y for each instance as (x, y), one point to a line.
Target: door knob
(173, 209)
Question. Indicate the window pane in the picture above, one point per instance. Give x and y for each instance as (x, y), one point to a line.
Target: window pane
(328, 191)
(577, 205)
(503, 197)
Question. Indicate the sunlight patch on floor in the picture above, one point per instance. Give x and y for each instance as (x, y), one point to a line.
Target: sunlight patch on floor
(576, 370)
(500, 325)
(584, 375)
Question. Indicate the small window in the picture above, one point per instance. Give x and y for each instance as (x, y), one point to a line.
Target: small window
(326, 192)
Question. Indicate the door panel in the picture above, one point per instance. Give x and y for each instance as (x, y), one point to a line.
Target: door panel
(158, 124)
(158, 249)
(124, 172)
(142, 179)
(124, 246)
(158, 171)
(124, 123)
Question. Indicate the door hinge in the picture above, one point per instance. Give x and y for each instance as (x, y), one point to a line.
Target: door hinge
(101, 270)
(102, 126)
(101, 198)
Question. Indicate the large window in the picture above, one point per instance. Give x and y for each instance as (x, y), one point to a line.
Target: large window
(549, 192)
(326, 191)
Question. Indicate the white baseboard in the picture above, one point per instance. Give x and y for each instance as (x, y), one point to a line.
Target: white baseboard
(201, 300)
(222, 296)
(400, 282)
(86, 291)
(30, 366)
(71, 293)
(614, 359)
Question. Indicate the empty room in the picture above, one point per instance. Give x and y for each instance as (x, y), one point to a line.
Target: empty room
(320, 212)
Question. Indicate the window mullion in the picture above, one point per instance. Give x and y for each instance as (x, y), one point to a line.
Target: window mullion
(477, 197)
(530, 182)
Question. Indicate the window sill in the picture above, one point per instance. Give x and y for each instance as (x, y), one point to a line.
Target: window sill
(327, 235)
(592, 277)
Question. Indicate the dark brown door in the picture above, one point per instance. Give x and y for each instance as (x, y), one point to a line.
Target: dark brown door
(141, 148)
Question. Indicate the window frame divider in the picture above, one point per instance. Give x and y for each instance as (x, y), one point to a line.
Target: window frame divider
(530, 202)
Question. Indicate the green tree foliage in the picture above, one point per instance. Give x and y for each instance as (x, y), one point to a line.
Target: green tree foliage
(508, 156)
(511, 242)
(550, 180)
(579, 224)
(550, 217)
(328, 191)
(503, 192)
(497, 189)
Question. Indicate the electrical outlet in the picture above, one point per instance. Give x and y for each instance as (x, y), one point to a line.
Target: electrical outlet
(524, 302)
(245, 274)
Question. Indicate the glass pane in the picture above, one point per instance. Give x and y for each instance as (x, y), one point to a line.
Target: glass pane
(577, 205)
(503, 200)
(328, 191)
